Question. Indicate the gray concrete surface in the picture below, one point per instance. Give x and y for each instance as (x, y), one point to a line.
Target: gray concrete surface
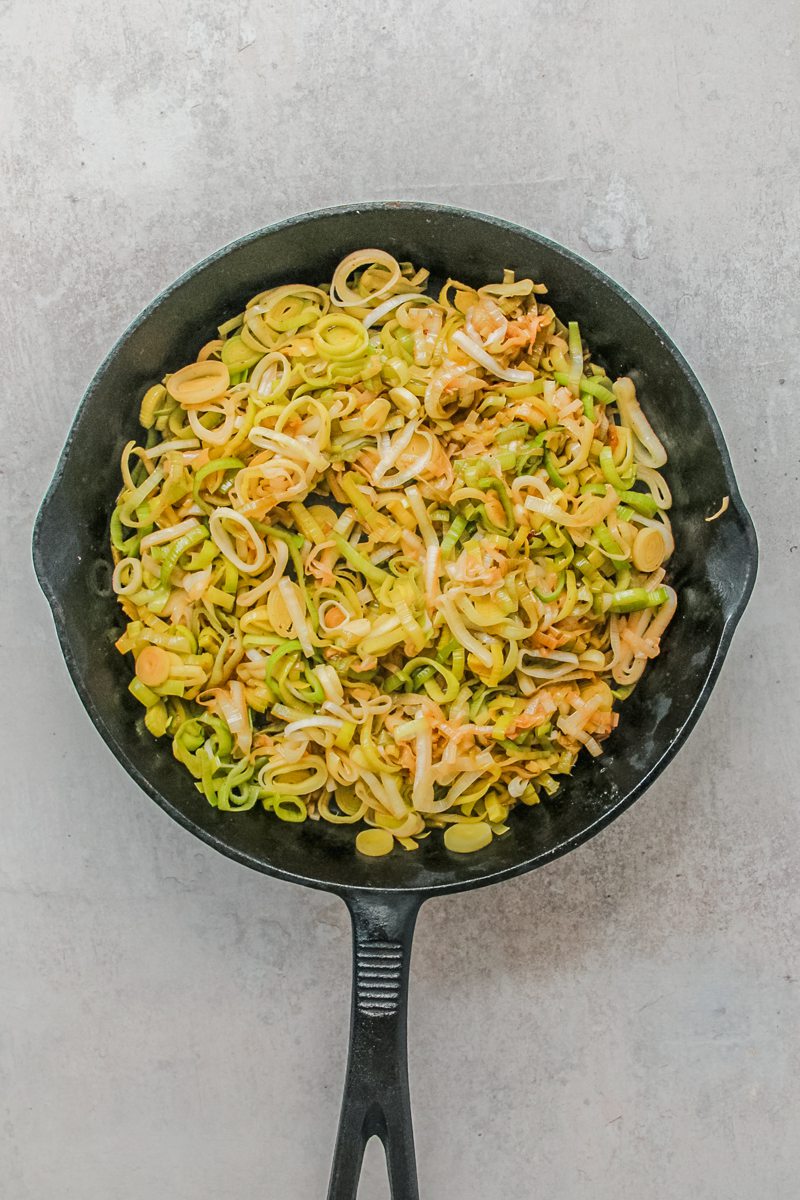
(624, 1024)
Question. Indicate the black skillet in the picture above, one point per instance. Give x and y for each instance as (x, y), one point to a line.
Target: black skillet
(713, 568)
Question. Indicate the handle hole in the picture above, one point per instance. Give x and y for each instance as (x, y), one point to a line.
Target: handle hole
(374, 1182)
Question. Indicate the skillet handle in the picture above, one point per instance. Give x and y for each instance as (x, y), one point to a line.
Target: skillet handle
(376, 1099)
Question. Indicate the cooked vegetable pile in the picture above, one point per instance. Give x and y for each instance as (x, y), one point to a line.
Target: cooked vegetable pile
(388, 560)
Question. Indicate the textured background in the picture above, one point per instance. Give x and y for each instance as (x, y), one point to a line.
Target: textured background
(623, 1024)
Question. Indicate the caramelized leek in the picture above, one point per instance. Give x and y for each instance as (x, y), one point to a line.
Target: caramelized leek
(383, 558)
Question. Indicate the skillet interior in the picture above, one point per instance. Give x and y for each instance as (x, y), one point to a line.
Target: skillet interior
(713, 567)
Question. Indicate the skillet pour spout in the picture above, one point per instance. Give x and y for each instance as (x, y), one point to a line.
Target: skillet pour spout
(713, 570)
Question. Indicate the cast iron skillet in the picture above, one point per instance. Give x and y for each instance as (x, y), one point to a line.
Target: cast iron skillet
(713, 568)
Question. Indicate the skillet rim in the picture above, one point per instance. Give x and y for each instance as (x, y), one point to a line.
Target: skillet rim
(732, 614)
